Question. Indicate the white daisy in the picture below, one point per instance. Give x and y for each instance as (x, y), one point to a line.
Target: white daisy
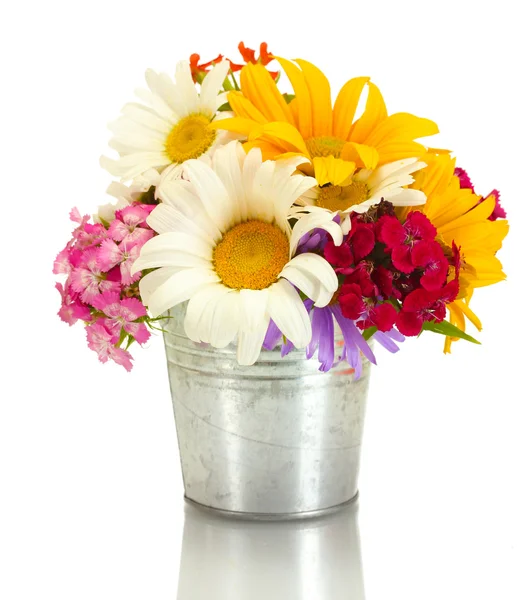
(225, 244)
(368, 187)
(173, 126)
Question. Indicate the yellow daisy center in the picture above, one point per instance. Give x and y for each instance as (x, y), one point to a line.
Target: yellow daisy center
(251, 255)
(338, 197)
(325, 146)
(189, 138)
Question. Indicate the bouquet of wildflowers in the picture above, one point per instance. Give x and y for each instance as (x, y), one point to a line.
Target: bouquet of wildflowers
(279, 217)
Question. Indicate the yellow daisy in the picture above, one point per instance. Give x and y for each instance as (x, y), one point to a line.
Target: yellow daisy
(310, 126)
(460, 216)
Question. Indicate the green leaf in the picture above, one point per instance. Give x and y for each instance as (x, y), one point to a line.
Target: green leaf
(289, 97)
(224, 107)
(446, 328)
(395, 303)
(369, 332)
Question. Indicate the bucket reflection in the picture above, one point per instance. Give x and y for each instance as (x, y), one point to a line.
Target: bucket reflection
(228, 559)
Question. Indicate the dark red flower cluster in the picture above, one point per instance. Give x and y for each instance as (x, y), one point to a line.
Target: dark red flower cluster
(394, 273)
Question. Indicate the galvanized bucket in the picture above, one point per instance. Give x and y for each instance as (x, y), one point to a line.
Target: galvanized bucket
(279, 439)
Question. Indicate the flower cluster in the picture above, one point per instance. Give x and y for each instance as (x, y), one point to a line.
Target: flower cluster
(282, 218)
(100, 288)
(393, 273)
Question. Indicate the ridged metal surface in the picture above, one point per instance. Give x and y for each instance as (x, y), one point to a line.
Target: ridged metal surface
(276, 438)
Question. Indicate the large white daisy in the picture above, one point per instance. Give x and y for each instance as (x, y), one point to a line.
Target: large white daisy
(365, 188)
(172, 126)
(225, 244)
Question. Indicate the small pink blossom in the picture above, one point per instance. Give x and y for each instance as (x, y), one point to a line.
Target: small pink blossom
(71, 308)
(88, 280)
(124, 255)
(91, 235)
(75, 216)
(122, 314)
(62, 265)
(100, 340)
(130, 225)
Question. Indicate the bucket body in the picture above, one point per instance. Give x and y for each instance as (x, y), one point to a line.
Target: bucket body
(277, 439)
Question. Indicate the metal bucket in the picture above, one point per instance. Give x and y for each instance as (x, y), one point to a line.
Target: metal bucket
(279, 439)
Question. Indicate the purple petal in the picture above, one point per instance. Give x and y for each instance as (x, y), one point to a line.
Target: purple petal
(326, 353)
(385, 341)
(394, 334)
(272, 337)
(286, 348)
(316, 328)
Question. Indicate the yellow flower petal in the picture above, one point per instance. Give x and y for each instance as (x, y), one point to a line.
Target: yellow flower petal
(363, 156)
(302, 100)
(374, 114)
(398, 150)
(435, 179)
(401, 127)
(259, 87)
(320, 96)
(283, 134)
(478, 214)
(235, 125)
(333, 170)
(243, 107)
(346, 105)
(268, 151)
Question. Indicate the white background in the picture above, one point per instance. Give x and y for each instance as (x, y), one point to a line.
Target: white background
(90, 486)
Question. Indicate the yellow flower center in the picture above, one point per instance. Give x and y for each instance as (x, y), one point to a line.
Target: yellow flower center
(189, 138)
(338, 197)
(251, 255)
(325, 146)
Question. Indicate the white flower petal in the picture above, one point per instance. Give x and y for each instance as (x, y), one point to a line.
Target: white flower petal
(185, 100)
(409, 197)
(317, 218)
(227, 164)
(180, 194)
(226, 320)
(250, 343)
(212, 193)
(313, 275)
(288, 312)
(146, 116)
(156, 104)
(165, 218)
(161, 85)
(253, 308)
(211, 87)
(163, 251)
(197, 327)
(178, 288)
(392, 169)
(128, 167)
(290, 193)
(150, 282)
(261, 204)
(251, 165)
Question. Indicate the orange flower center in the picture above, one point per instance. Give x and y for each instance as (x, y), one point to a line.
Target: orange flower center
(251, 255)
